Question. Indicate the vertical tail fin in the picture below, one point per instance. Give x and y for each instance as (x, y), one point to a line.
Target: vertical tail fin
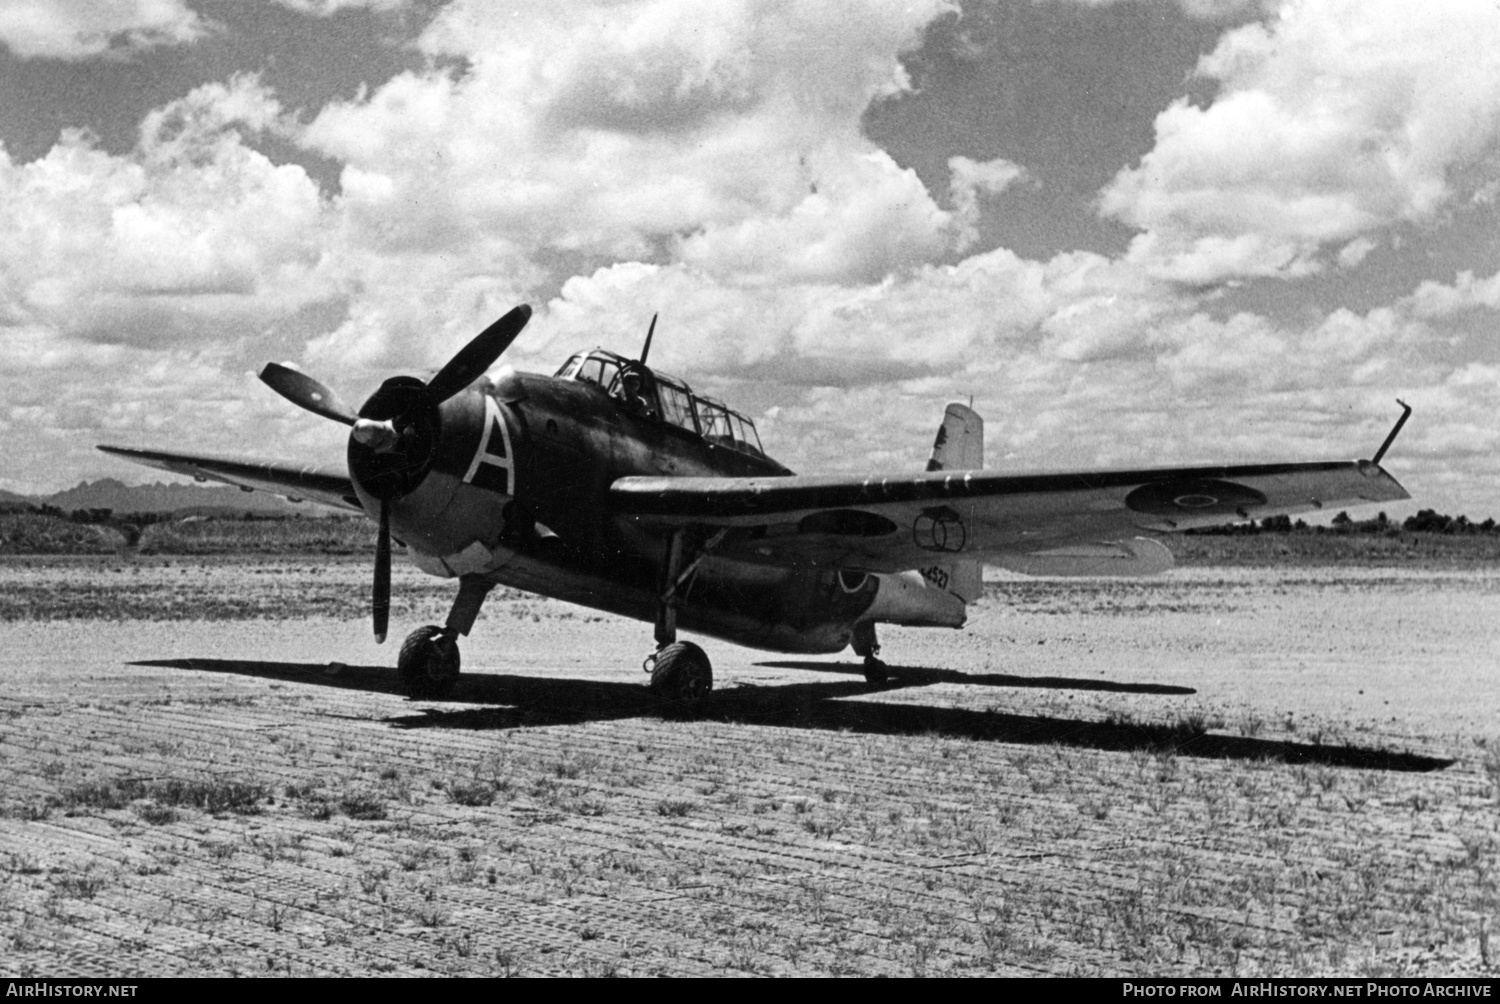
(959, 446)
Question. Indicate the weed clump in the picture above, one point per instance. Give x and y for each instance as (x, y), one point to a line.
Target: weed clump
(83, 886)
(472, 793)
(239, 797)
(157, 815)
(213, 796)
(363, 806)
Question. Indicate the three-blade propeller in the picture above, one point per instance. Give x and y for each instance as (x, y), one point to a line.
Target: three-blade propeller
(467, 365)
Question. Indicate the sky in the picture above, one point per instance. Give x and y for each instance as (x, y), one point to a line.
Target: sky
(1136, 233)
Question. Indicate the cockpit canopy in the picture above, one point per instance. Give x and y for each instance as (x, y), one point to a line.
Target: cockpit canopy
(655, 395)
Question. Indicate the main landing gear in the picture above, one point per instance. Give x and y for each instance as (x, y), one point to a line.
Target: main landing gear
(429, 663)
(680, 671)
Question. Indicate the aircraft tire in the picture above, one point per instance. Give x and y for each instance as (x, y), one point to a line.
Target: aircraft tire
(682, 673)
(875, 672)
(428, 663)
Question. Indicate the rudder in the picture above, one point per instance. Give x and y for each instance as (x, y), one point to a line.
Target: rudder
(959, 446)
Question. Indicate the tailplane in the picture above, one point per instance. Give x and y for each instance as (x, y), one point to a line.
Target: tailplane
(959, 446)
(939, 594)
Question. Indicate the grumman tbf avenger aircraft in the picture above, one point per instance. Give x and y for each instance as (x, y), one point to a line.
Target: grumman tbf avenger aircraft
(615, 486)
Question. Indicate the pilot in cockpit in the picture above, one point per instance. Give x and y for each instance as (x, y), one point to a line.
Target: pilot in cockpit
(633, 387)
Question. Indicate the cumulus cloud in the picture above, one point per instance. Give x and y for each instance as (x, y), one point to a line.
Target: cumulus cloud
(1438, 300)
(1201, 10)
(969, 179)
(863, 218)
(590, 135)
(606, 162)
(1335, 121)
(79, 29)
(193, 228)
(326, 8)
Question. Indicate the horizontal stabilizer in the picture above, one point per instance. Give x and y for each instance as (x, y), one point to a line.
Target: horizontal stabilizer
(1137, 556)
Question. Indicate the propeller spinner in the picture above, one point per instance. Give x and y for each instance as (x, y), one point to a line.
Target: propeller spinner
(395, 433)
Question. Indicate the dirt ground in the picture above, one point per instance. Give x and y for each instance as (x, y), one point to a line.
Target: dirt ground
(207, 769)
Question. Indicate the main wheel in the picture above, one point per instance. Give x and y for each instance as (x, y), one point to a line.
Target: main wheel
(875, 672)
(682, 673)
(428, 663)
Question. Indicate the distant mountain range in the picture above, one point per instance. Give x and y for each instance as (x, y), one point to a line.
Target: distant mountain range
(122, 498)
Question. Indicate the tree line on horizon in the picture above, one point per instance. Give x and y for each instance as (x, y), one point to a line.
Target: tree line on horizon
(107, 517)
(1425, 521)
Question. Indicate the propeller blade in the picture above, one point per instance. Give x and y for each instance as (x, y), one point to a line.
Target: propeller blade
(305, 392)
(478, 356)
(380, 603)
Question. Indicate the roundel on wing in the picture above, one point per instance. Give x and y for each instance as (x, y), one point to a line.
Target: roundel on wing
(939, 529)
(1195, 497)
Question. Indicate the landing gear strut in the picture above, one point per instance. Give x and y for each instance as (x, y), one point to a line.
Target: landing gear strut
(680, 671)
(864, 643)
(429, 662)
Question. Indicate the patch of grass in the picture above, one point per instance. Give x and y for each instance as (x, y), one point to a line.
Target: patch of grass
(39, 533)
(363, 806)
(675, 807)
(1184, 729)
(81, 886)
(575, 765)
(1491, 766)
(239, 797)
(157, 815)
(213, 796)
(317, 808)
(508, 962)
(103, 795)
(586, 805)
(372, 879)
(259, 536)
(472, 793)
(415, 858)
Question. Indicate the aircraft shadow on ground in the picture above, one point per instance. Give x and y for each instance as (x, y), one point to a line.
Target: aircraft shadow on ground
(922, 675)
(530, 702)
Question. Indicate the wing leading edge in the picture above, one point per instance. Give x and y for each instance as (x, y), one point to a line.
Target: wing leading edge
(894, 523)
(315, 484)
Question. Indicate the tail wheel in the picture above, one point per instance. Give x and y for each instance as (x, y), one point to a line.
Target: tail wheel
(682, 673)
(428, 663)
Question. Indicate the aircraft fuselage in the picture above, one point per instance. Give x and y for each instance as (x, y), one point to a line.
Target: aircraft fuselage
(517, 492)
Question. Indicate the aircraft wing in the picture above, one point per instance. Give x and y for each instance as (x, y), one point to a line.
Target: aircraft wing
(315, 484)
(886, 524)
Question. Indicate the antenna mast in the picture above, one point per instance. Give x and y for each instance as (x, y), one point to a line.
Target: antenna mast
(649, 332)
